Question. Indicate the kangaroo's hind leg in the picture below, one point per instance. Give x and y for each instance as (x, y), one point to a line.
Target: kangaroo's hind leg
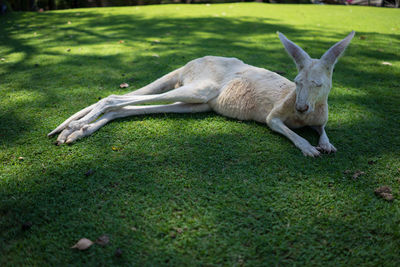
(136, 110)
(165, 83)
(196, 93)
(199, 93)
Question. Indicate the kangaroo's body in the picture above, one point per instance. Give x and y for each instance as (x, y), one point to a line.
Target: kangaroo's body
(233, 89)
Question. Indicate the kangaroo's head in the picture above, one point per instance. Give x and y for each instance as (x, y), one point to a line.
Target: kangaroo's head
(314, 80)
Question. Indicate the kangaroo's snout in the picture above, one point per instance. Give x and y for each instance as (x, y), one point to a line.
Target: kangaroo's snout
(302, 108)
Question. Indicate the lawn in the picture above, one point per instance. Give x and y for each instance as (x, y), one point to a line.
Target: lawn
(195, 189)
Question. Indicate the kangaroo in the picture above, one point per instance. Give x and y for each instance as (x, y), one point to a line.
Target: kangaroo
(233, 89)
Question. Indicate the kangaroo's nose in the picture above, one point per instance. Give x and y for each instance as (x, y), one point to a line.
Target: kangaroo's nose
(302, 109)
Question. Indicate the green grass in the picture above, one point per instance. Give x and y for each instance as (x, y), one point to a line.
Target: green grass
(241, 194)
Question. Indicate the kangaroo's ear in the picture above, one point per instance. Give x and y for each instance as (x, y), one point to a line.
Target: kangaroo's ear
(332, 55)
(299, 56)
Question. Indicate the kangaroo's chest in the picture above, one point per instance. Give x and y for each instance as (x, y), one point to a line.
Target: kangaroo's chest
(316, 118)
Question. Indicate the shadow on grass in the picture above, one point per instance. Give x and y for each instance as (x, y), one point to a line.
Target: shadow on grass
(228, 197)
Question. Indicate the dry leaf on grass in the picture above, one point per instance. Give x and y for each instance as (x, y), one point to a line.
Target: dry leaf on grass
(387, 196)
(114, 148)
(384, 192)
(383, 189)
(124, 85)
(103, 240)
(386, 63)
(358, 174)
(121, 41)
(83, 244)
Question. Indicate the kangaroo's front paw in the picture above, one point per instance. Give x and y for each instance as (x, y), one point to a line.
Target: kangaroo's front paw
(308, 149)
(326, 148)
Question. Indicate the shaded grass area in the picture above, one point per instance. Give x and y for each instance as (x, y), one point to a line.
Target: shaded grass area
(195, 189)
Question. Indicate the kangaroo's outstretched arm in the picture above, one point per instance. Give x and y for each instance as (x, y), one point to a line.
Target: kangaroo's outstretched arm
(277, 125)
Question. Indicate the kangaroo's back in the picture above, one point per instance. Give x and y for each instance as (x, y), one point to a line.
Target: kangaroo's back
(219, 70)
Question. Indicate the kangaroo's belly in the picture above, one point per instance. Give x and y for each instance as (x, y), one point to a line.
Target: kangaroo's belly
(240, 99)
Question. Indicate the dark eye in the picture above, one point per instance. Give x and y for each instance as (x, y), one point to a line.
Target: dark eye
(317, 84)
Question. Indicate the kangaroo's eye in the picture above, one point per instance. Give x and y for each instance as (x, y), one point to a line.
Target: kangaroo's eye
(317, 84)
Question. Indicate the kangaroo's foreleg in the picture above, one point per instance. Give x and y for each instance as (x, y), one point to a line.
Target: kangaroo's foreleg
(165, 83)
(324, 145)
(134, 110)
(277, 125)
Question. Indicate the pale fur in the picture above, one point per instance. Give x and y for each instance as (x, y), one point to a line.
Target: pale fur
(233, 89)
